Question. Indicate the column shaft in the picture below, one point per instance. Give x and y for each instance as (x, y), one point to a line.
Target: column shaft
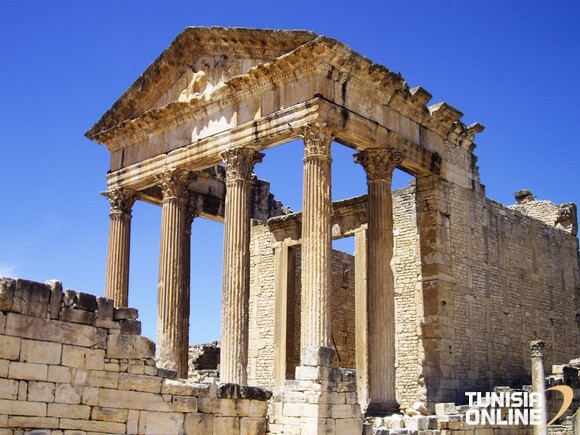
(239, 163)
(379, 164)
(316, 246)
(172, 294)
(117, 279)
(539, 385)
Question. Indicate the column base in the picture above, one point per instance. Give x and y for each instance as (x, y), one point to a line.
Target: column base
(317, 356)
(382, 409)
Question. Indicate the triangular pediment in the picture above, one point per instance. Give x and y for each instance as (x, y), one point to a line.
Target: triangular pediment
(196, 62)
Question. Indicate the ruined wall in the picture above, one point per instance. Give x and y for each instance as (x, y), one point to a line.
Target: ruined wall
(515, 280)
(504, 279)
(71, 362)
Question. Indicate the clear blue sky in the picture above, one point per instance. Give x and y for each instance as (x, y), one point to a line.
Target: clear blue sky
(514, 66)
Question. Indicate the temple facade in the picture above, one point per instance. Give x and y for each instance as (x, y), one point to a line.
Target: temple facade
(446, 287)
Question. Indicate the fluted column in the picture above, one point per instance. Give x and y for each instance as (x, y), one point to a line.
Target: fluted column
(172, 295)
(316, 246)
(117, 279)
(191, 212)
(379, 164)
(239, 163)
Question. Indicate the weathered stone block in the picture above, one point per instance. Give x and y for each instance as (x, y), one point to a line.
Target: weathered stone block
(66, 393)
(163, 423)
(236, 391)
(149, 384)
(76, 315)
(445, 409)
(257, 408)
(130, 327)
(31, 298)
(50, 330)
(93, 426)
(132, 400)
(166, 373)
(136, 367)
(9, 347)
(41, 391)
(129, 346)
(40, 352)
(105, 309)
(199, 424)
(79, 300)
(19, 407)
(349, 425)
(59, 374)
(133, 422)
(184, 404)
(109, 414)
(28, 371)
(226, 425)
(125, 314)
(253, 426)
(106, 379)
(4, 364)
(90, 396)
(81, 412)
(416, 423)
(56, 294)
(343, 411)
(184, 388)
(44, 422)
(7, 287)
(8, 389)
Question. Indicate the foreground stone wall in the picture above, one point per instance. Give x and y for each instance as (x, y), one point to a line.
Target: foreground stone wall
(71, 362)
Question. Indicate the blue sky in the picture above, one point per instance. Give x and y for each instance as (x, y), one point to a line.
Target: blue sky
(513, 66)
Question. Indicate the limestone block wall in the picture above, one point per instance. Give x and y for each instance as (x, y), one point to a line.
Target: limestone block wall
(70, 362)
(261, 326)
(262, 309)
(342, 308)
(516, 279)
(408, 304)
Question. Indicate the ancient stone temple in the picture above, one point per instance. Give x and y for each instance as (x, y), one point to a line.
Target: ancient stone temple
(443, 294)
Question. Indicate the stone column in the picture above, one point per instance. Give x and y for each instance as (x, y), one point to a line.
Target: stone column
(172, 294)
(539, 384)
(117, 279)
(191, 212)
(239, 164)
(379, 164)
(361, 315)
(316, 247)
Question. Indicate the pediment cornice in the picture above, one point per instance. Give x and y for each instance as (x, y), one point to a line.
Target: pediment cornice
(321, 55)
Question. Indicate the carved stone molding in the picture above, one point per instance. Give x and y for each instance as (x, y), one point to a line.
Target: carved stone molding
(317, 140)
(239, 163)
(379, 163)
(121, 200)
(537, 348)
(173, 183)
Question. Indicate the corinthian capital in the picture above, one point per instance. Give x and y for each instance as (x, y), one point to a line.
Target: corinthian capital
(379, 163)
(317, 140)
(121, 199)
(239, 163)
(173, 183)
